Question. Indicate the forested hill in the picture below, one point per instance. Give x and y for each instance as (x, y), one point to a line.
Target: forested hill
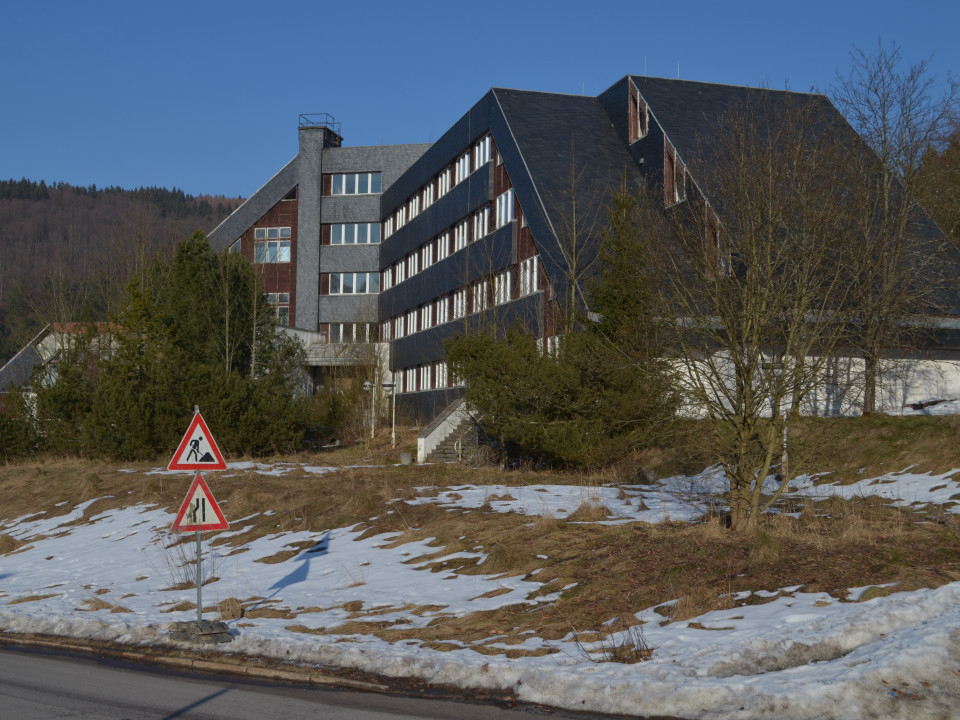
(69, 251)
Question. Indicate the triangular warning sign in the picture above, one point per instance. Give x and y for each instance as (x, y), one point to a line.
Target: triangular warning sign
(199, 510)
(198, 450)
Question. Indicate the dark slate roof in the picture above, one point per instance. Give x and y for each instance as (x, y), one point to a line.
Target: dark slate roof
(688, 111)
(18, 369)
(556, 137)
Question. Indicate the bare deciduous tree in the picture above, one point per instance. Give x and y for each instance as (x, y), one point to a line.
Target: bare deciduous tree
(751, 282)
(898, 112)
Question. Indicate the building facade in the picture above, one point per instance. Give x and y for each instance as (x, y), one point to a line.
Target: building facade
(409, 245)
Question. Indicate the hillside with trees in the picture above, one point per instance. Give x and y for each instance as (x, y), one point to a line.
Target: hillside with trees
(69, 251)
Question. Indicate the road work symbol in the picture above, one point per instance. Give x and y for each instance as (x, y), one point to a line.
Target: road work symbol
(197, 450)
(199, 510)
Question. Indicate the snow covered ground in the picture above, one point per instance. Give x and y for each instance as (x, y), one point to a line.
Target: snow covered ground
(803, 655)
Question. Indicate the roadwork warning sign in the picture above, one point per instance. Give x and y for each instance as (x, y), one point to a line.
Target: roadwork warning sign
(197, 450)
(199, 510)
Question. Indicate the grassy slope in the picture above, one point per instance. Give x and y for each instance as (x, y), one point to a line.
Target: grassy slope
(618, 570)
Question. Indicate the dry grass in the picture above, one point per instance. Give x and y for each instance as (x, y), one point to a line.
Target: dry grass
(609, 572)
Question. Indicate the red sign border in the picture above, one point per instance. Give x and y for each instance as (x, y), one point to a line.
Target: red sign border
(198, 481)
(177, 464)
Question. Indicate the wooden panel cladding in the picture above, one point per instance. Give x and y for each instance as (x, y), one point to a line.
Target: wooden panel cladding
(501, 181)
(526, 248)
(324, 283)
(276, 277)
(325, 234)
(327, 185)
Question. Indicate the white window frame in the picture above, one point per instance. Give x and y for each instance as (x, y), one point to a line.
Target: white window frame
(425, 383)
(443, 245)
(460, 304)
(480, 293)
(412, 322)
(530, 276)
(271, 252)
(349, 233)
(461, 235)
(481, 152)
(426, 316)
(414, 206)
(341, 181)
(443, 309)
(369, 279)
(428, 195)
(443, 183)
(505, 208)
(462, 169)
(428, 255)
(481, 223)
(503, 287)
(413, 263)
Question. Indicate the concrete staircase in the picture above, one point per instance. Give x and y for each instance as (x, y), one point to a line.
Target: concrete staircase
(448, 437)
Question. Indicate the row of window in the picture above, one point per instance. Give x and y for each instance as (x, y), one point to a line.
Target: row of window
(355, 234)
(464, 301)
(470, 161)
(271, 233)
(366, 183)
(430, 376)
(354, 283)
(452, 240)
(272, 251)
(348, 333)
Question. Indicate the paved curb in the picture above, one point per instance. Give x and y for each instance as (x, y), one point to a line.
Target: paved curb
(296, 674)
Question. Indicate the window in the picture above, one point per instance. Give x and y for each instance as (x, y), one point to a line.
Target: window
(529, 277)
(280, 302)
(356, 183)
(272, 251)
(428, 196)
(459, 304)
(480, 296)
(270, 233)
(399, 271)
(413, 263)
(398, 327)
(503, 287)
(412, 322)
(388, 228)
(461, 234)
(355, 234)
(462, 168)
(443, 246)
(385, 331)
(443, 310)
(505, 208)
(401, 216)
(481, 152)
(427, 255)
(481, 223)
(426, 316)
(361, 283)
(410, 379)
(387, 281)
(351, 333)
(414, 206)
(425, 377)
(441, 381)
(443, 183)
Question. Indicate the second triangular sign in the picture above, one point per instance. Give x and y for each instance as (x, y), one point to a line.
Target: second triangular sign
(198, 450)
(199, 510)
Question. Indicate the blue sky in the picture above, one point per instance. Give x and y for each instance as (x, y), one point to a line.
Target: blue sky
(205, 96)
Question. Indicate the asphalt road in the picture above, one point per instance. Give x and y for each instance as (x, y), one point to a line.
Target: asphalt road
(35, 685)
